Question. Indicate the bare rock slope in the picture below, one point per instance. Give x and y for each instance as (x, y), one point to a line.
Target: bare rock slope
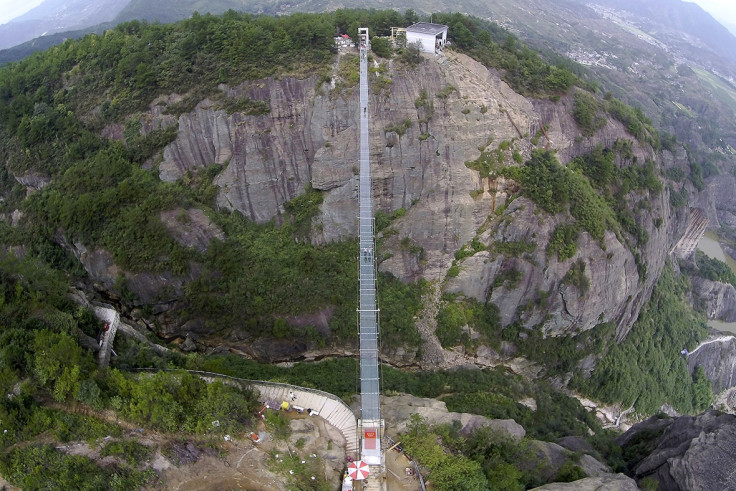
(676, 451)
(426, 123)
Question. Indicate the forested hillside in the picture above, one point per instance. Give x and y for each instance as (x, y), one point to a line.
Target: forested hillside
(555, 235)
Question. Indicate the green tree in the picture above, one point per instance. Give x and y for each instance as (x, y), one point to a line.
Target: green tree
(702, 390)
(410, 17)
(412, 54)
(447, 472)
(382, 47)
(58, 361)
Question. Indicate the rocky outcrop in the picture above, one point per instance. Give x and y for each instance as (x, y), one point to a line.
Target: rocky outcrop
(551, 457)
(696, 453)
(397, 410)
(696, 226)
(722, 201)
(717, 356)
(33, 181)
(159, 290)
(424, 126)
(611, 482)
(612, 277)
(191, 228)
(717, 299)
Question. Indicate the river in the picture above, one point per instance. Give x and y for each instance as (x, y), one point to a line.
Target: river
(711, 246)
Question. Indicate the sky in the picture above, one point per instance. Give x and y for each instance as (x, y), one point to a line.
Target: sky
(722, 10)
(10, 9)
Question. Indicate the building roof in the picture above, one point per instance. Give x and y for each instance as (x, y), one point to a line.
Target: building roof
(426, 28)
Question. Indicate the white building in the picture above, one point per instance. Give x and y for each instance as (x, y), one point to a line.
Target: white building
(429, 36)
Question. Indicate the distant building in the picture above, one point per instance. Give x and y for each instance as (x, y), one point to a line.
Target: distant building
(431, 37)
(343, 40)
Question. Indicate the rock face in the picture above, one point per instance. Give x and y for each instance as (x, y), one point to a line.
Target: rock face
(397, 410)
(611, 482)
(687, 453)
(425, 126)
(552, 457)
(722, 201)
(696, 227)
(717, 356)
(269, 158)
(148, 287)
(191, 228)
(718, 299)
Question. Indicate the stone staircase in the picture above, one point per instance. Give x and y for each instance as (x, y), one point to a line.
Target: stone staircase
(321, 404)
(374, 481)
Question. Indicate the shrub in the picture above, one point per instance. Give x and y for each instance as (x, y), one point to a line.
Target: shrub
(514, 248)
(564, 241)
(585, 113)
(412, 54)
(576, 277)
(129, 450)
(553, 187)
(570, 472)
(382, 47)
(43, 467)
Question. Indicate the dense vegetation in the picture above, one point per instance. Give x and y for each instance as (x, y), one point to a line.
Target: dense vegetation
(482, 460)
(57, 367)
(709, 268)
(588, 113)
(454, 316)
(43, 362)
(598, 190)
(53, 104)
(464, 390)
(594, 188)
(647, 368)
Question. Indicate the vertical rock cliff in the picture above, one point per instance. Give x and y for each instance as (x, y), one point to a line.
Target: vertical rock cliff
(426, 123)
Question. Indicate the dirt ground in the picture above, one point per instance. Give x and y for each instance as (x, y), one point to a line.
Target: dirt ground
(398, 478)
(241, 464)
(244, 465)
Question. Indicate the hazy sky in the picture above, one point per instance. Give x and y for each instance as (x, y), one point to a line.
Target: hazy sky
(10, 9)
(722, 10)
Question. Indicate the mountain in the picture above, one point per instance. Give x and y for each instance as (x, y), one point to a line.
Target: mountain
(678, 23)
(55, 20)
(54, 16)
(535, 220)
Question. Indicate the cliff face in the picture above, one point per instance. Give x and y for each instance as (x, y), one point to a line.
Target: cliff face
(716, 298)
(425, 125)
(689, 452)
(717, 356)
